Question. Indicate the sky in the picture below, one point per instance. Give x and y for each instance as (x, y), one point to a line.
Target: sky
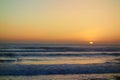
(72, 21)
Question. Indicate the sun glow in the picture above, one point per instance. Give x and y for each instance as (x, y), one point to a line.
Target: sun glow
(91, 43)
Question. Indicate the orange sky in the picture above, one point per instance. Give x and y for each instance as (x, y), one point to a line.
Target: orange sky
(60, 20)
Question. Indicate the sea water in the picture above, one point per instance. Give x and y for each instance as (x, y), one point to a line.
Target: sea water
(44, 59)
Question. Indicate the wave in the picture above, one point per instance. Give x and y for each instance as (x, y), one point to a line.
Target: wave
(55, 54)
(58, 49)
(28, 70)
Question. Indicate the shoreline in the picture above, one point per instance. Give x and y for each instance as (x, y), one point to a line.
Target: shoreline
(111, 76)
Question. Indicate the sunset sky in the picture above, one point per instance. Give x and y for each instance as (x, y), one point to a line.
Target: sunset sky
(60, 20)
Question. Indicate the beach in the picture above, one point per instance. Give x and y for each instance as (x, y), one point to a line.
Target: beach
(59, 39)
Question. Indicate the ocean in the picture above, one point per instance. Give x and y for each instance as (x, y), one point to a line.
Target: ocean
(28, 59)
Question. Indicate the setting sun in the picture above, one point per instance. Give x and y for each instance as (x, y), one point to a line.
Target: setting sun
(91, 42)
(59, 39)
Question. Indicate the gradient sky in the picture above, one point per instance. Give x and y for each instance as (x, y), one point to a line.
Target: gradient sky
(60, 20)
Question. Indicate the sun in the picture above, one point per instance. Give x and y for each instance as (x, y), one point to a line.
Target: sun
(91, 42)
